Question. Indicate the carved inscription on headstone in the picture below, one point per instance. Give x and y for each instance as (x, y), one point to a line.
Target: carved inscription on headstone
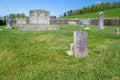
(80, 44)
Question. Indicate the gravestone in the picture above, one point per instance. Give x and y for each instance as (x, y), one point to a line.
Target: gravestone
(117, 30)
(80, 44)
(41, 17)
(38, 20)
(85, 22)
(9, 24)
(72, 22)
(71, 51)
(101, 21)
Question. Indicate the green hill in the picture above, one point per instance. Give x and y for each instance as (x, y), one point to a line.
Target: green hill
(108, 14)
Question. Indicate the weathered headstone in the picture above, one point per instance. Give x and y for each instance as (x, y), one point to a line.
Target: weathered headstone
(85, 22)
(38, 20)
(71, 51)
(41, 17)
(72, 22)
(80, 44)
(101, 21)
(117, 29)
(9, 24)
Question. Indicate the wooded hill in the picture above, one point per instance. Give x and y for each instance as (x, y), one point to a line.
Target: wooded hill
(112, 13)
(93, 8)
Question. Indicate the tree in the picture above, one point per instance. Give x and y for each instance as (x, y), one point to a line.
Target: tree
(114, 5)
(22, 15)
(65, 14)
(107, 5)
(11, 16)
(93, 8)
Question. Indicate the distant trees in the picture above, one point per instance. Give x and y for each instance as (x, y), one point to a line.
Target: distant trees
(93, 8)
(13, 16)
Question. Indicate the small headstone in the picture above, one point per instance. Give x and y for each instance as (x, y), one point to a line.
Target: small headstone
(71, 51)
(9, 24)
(85, 22)
(72, 22)
(80, 44)
(101, 21)
(117, 30)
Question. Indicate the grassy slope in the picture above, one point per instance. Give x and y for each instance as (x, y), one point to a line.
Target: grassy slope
(108, 14)
(40, 55)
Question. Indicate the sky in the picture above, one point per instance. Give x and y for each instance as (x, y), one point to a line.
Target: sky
(56, 7)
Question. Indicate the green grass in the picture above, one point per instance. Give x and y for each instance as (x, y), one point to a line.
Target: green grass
(108, 14)
(41, 55)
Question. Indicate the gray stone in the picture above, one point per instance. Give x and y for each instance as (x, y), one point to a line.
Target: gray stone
(85, 22)
(38, 20)
(9, 24)
(117, 30)
(71, 51)
(38, 27)
(22, 21)
(101, 21)
(80, 44)
(39, 17)
(72, 22)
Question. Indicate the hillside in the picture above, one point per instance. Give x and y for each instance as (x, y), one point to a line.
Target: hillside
(41, 55)
(108, 14)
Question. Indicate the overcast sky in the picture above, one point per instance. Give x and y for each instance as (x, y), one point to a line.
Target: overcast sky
(56, 7)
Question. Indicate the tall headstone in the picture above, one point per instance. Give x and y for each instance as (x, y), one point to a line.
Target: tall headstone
(117, 28)
(101, 21)
(80, 44)
(41, 17)
(9, 24)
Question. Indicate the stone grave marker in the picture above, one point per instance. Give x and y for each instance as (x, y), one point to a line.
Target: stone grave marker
(72, 22)
(117, 29)
(80, 44)
(40, 17)
(85, 22)
(9, 24)
(38, 20)
(101, 21)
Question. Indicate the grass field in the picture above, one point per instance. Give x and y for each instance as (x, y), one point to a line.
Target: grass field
(107, 13)
(41, 55)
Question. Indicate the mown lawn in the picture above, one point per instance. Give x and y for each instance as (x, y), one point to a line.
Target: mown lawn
(41, 55)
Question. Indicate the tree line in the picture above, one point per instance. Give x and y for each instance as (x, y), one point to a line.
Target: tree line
(11, 16)
(93, 8)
